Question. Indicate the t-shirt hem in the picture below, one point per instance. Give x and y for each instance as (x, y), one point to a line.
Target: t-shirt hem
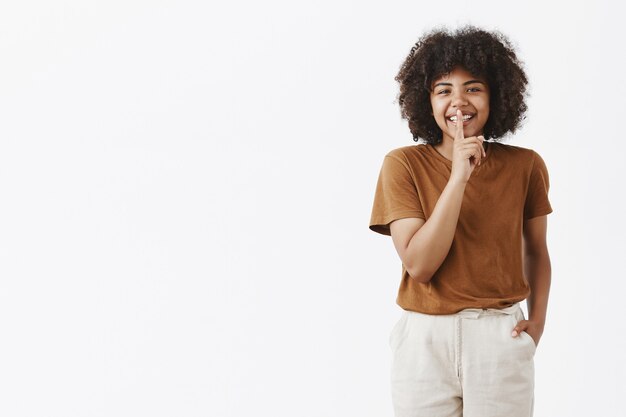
(448, 311)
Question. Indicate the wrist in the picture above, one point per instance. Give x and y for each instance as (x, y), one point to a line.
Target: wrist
(540, 323)
(454, 182)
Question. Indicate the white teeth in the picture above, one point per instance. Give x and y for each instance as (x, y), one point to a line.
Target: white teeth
(465, 117)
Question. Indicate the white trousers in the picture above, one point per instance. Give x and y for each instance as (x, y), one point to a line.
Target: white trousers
(464, 364)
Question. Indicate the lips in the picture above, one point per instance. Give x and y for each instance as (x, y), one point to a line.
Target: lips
(465, 122)
(463, 112)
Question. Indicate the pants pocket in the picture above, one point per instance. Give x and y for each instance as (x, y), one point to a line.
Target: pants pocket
(530, 340)
(519, 315)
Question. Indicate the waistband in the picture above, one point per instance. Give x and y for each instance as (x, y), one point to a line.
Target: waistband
(474, 313)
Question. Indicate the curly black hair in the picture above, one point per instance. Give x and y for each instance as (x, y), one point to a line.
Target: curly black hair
(488, 55)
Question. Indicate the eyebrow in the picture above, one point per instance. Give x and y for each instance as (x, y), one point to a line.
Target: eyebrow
(465, 83)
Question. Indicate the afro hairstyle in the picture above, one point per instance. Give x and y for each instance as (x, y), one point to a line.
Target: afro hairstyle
(488, 55)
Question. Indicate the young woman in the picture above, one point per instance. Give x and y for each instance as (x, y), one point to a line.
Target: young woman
(468, 218)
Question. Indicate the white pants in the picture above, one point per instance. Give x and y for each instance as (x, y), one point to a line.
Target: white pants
(463, 364)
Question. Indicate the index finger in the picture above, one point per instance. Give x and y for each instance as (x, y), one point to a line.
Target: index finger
(459, 125)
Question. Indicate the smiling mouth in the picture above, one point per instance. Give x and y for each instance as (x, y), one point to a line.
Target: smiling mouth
(466, 120)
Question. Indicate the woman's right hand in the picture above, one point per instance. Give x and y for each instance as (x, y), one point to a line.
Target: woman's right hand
(466, 152)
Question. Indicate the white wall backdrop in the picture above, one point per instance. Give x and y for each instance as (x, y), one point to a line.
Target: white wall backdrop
(185, 190)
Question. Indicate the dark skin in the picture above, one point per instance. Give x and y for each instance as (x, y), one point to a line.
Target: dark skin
(423, 245)
(461, 91)
(538, 271)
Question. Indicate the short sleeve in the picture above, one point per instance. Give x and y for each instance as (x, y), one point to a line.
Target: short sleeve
(537, 202)
(396, 195)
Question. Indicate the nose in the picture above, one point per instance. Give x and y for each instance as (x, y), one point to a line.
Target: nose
(459, 99)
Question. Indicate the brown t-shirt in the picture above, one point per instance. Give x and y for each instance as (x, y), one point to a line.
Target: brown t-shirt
(483, 268)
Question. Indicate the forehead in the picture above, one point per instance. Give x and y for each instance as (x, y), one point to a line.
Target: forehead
(457, 75)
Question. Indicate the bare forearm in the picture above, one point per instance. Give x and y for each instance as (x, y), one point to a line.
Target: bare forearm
(537, 269)
(431, 243)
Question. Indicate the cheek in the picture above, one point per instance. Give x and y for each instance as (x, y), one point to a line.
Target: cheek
(486, 105)
(437, 112)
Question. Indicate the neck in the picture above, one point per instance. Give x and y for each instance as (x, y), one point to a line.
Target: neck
(445, 148)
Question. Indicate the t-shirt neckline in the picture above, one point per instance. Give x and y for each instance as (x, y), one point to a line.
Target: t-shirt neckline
(446, 161)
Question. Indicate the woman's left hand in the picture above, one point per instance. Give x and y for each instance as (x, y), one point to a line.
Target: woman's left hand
(534, 329)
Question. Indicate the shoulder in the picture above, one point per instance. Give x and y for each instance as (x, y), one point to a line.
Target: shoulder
(408, 153)
(525, 161)
(513, 150)
(515, 154)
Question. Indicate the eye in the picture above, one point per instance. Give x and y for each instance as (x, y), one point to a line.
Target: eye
(471, 88)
